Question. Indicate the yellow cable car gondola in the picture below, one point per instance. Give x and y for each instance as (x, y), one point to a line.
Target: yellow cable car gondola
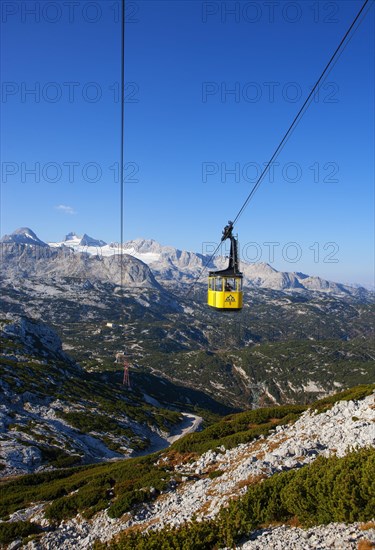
(225, 286)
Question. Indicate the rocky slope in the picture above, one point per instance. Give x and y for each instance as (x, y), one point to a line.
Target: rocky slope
(347, 425)
(53, 413)
(46, 263)
(338, 536)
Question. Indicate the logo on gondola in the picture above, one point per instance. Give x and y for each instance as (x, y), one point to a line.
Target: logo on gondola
(230, 298)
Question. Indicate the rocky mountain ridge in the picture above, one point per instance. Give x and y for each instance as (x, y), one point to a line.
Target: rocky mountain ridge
(201, 494)
(20, 260)
(170, 265)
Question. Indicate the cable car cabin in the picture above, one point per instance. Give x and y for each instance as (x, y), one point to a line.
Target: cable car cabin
(224, 292)
(225, 286)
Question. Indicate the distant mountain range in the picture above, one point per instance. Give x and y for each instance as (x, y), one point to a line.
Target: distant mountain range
(146, 262)
(297, 337)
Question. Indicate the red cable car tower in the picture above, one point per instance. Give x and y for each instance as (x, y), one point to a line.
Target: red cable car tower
(121, 359)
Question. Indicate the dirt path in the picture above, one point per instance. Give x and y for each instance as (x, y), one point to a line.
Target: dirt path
(189, 424)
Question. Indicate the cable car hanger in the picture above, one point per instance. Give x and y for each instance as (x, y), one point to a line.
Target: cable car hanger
(329, 66)
(225, 285)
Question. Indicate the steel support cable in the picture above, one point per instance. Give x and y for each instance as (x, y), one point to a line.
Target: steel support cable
(300, 113)
(121, 167)
(334, 57)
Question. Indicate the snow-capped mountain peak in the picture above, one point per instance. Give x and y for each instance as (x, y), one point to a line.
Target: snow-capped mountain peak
(89, 241)
(80, 243)
(72, 237)
(23, 235)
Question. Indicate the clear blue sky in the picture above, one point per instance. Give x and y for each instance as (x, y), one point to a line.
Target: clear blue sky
(185, 131)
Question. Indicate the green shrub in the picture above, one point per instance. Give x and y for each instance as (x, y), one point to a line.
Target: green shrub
(17, 530)
(89, 496)
(93, 422)
(88, 488)
(125, 502)
(329, 490)
(334, 490)
(239, 428)
(353, 394)
(215, 473)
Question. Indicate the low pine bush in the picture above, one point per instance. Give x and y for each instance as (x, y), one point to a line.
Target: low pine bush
(329, 490)
(17, 530)
(240, 428)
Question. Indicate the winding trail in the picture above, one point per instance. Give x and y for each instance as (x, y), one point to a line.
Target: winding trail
(190, 423)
